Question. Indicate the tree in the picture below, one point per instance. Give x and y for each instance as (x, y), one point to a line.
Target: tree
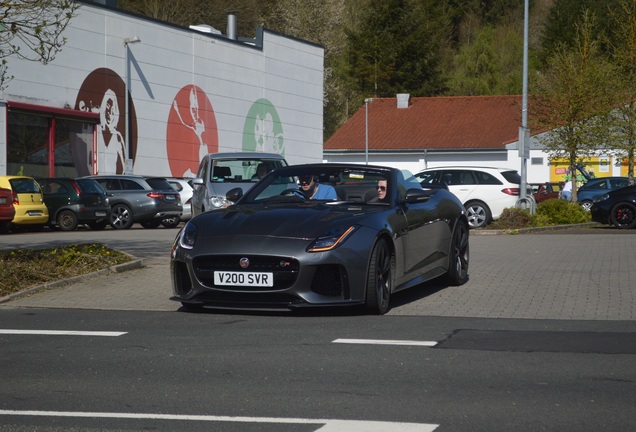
(573, 98)
(32, 30)
(624, 54)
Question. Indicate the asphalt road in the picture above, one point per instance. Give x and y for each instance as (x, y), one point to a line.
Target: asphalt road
(542, 337)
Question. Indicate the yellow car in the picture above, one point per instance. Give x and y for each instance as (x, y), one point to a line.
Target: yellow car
(30, 210)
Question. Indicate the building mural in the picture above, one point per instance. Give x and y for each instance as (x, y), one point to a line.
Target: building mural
(263, 130)
(191, 131)
(103, 92)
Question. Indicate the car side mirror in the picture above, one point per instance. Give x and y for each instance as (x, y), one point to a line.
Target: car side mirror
(417, 195)
(197, 181)
(234, 194)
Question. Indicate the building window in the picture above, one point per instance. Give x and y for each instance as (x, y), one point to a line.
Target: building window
(50, 142)
(536, 161)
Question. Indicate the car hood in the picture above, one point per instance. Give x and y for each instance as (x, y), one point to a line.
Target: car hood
(304, 221)
(220, 189)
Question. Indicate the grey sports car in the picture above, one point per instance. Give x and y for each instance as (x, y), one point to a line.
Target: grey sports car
(321, 235)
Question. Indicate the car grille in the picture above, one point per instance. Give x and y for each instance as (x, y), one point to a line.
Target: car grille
(284, 269)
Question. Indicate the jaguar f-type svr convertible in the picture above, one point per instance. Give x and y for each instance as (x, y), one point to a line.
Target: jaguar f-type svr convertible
(321, 235)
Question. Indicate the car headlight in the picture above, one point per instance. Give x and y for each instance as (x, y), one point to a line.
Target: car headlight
(188, 236)
(330, 241)
(220, 201)
(601, 198)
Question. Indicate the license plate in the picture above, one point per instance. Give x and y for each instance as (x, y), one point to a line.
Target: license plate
(3, 200)
(243, 279)
(100, 213)
(170, 198)
(34, 213)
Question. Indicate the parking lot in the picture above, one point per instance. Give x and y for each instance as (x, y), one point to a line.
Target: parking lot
(575, 274)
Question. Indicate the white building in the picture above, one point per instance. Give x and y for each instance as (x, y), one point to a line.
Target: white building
(190, 93)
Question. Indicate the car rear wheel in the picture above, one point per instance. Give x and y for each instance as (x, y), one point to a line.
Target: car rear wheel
(458, 256)
(586, 204)
(121, 217)
(380, 278)
(478, 214)
(67, 220)
(151, 223)
(623, 215)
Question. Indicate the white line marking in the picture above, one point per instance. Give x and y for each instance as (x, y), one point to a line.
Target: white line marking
(61, 332)
(330, 425)
(385, 342)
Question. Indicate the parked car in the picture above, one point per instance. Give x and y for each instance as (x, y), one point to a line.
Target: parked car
(30, 210)
(596, 187)
(616, 207)
(545, 191)
(220, 172)
(184, 188)
(277, 249)
(7, 210)
(138, 199)
(75, 201)
(484, 191)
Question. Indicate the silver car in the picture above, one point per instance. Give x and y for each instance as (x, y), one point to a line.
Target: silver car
(137, 199)
(185, 190)
(220, 172)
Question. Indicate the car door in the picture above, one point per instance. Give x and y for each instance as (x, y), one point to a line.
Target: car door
(199, 191)
(461, 183)
(425, 236)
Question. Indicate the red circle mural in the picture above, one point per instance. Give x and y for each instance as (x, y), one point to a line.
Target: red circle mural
(191, 132)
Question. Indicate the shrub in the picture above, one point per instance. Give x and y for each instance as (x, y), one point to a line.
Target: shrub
(512, 218)
(561, 212)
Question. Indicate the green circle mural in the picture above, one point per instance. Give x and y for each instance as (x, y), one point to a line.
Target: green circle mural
(263, 130)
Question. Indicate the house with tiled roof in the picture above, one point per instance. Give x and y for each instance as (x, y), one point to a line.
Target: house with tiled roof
(415, 133)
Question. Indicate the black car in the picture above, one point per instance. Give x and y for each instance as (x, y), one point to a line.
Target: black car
(277, 248)
(75, 201)
(617, 207)
(139, 199)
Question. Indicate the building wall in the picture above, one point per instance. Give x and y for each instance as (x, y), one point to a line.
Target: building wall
(243, 97)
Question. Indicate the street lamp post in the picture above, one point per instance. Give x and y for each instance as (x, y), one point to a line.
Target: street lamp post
(128, 168)
(366, 130)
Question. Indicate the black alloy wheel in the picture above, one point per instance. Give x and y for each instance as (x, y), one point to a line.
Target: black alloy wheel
(623, 215)
(380, 278)
(458, 257)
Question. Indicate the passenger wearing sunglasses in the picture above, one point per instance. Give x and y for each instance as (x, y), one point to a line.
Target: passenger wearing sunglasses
(382, 193)
(310, 187)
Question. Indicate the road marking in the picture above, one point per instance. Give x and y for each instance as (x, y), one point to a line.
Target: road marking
(329, 425)
(61, 332)
(385, 342)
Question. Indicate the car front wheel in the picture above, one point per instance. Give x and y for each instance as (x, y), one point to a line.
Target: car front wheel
(121, 217)
(623, 215)
(67, 220)
(478, 214)
(458, 257)
(380, 278)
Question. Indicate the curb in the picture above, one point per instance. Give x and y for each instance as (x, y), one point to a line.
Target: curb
(136, 263)
(533, 229)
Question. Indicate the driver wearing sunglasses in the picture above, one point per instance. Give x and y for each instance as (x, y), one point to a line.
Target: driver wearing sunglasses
(313, 190)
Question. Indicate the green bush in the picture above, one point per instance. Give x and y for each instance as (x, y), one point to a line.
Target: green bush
(561, 212)
(549, 212)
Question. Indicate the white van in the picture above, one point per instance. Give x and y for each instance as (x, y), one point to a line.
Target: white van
(220, 172)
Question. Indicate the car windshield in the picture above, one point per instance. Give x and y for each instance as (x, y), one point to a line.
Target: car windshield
(90, 186)
(24, 186)
(159, 184)
(327, 184)
(511, 177)
(243, 170)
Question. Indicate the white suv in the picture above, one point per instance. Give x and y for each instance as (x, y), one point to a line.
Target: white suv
(484, 191)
